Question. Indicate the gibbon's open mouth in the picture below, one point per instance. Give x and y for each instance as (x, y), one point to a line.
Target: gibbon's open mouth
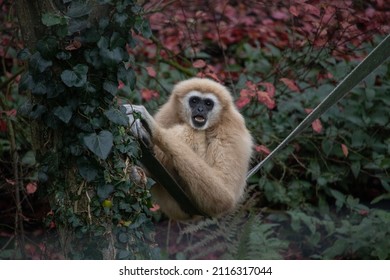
(199, 120)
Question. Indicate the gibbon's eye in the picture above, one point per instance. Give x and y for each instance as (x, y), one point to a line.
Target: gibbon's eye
(194, 100)
(209, 103)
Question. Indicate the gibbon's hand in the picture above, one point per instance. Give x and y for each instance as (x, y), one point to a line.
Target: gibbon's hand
(140, 127)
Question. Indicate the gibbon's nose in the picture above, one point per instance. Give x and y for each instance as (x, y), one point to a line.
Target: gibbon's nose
(200, 109)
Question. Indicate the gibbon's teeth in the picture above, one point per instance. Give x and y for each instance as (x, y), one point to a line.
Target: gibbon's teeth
(199, 119)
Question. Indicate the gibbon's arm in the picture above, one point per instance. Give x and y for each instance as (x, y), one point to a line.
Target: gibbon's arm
(215, 188)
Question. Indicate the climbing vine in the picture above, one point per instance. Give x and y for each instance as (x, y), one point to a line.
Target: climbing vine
(78, 75)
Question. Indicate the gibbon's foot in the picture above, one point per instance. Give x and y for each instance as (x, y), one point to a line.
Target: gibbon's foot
(138, 126)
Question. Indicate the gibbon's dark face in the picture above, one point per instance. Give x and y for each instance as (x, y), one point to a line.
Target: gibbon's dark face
(202, 109)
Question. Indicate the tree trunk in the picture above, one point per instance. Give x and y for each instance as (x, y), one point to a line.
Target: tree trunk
(46, 141)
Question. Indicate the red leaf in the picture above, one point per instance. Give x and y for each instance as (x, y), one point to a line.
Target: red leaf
(11, 113)
(262, 149)
(345, 150)
(3, 126)
(364, 212)
(269, 87)
(251, 86)
(148, 94)
(155, 207)
(264, 97)
(121, 85)
(290, 84)
(74, 45)
(151, 72)
(280, 15)
(311, 9)
(308, 110)
(242, 102)
(200, 63)
(294, 11)
(317, 126)
(31, 187)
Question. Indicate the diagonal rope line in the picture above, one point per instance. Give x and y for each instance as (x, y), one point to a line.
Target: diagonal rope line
(365, 67)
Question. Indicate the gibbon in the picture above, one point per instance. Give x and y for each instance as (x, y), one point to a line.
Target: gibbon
(201, 139)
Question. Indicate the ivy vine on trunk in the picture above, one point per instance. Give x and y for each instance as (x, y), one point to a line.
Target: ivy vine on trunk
(77, 54)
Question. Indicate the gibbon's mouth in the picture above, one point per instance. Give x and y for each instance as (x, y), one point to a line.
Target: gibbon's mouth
(199, 120)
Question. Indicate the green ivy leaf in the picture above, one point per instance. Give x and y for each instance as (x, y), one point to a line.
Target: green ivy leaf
(63, 113)
(110, 87)
(49, 19)
(117, 117)
(24, 54)
(127, 76)
(39, 89)
(104, 191)
(63, 55)
(78, 9)
(38, 64)
(29, 159)
(37, 111)
(47, 47)
(142, 26)
(100, 144)
(76, 77)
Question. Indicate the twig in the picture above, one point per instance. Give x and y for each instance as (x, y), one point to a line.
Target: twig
(13, 77)
(19, 229)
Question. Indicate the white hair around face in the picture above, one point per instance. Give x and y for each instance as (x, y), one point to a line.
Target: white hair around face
(212, 115)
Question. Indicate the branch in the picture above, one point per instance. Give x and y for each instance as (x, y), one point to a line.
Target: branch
(13, 77)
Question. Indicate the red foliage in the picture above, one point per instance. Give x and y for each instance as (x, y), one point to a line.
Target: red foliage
(151, 72)
(316, 124)
(148, 94)
(262, 150)
(290, 84)
(344, 148)
(181, 25)
(31, 187)
(252, 91)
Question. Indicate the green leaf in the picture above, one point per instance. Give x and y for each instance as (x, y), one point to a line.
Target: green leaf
(116, 116)
(355, 168)
(63, 55)
(38, 64)
(340, 198)
(24, 54)
(87, 169)
(76, 77)
(49, 19)
(121, 18)
(110, 87)
(78, 9)
(143, 27)
(104, 191)
(37, 111)
(63, 113)
(39, 89)
(337, 249)
(127, 76)
(29, 158)
(48, 47)
(100, 144)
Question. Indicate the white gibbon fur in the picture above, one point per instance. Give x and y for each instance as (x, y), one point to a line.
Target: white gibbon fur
(205, 143)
